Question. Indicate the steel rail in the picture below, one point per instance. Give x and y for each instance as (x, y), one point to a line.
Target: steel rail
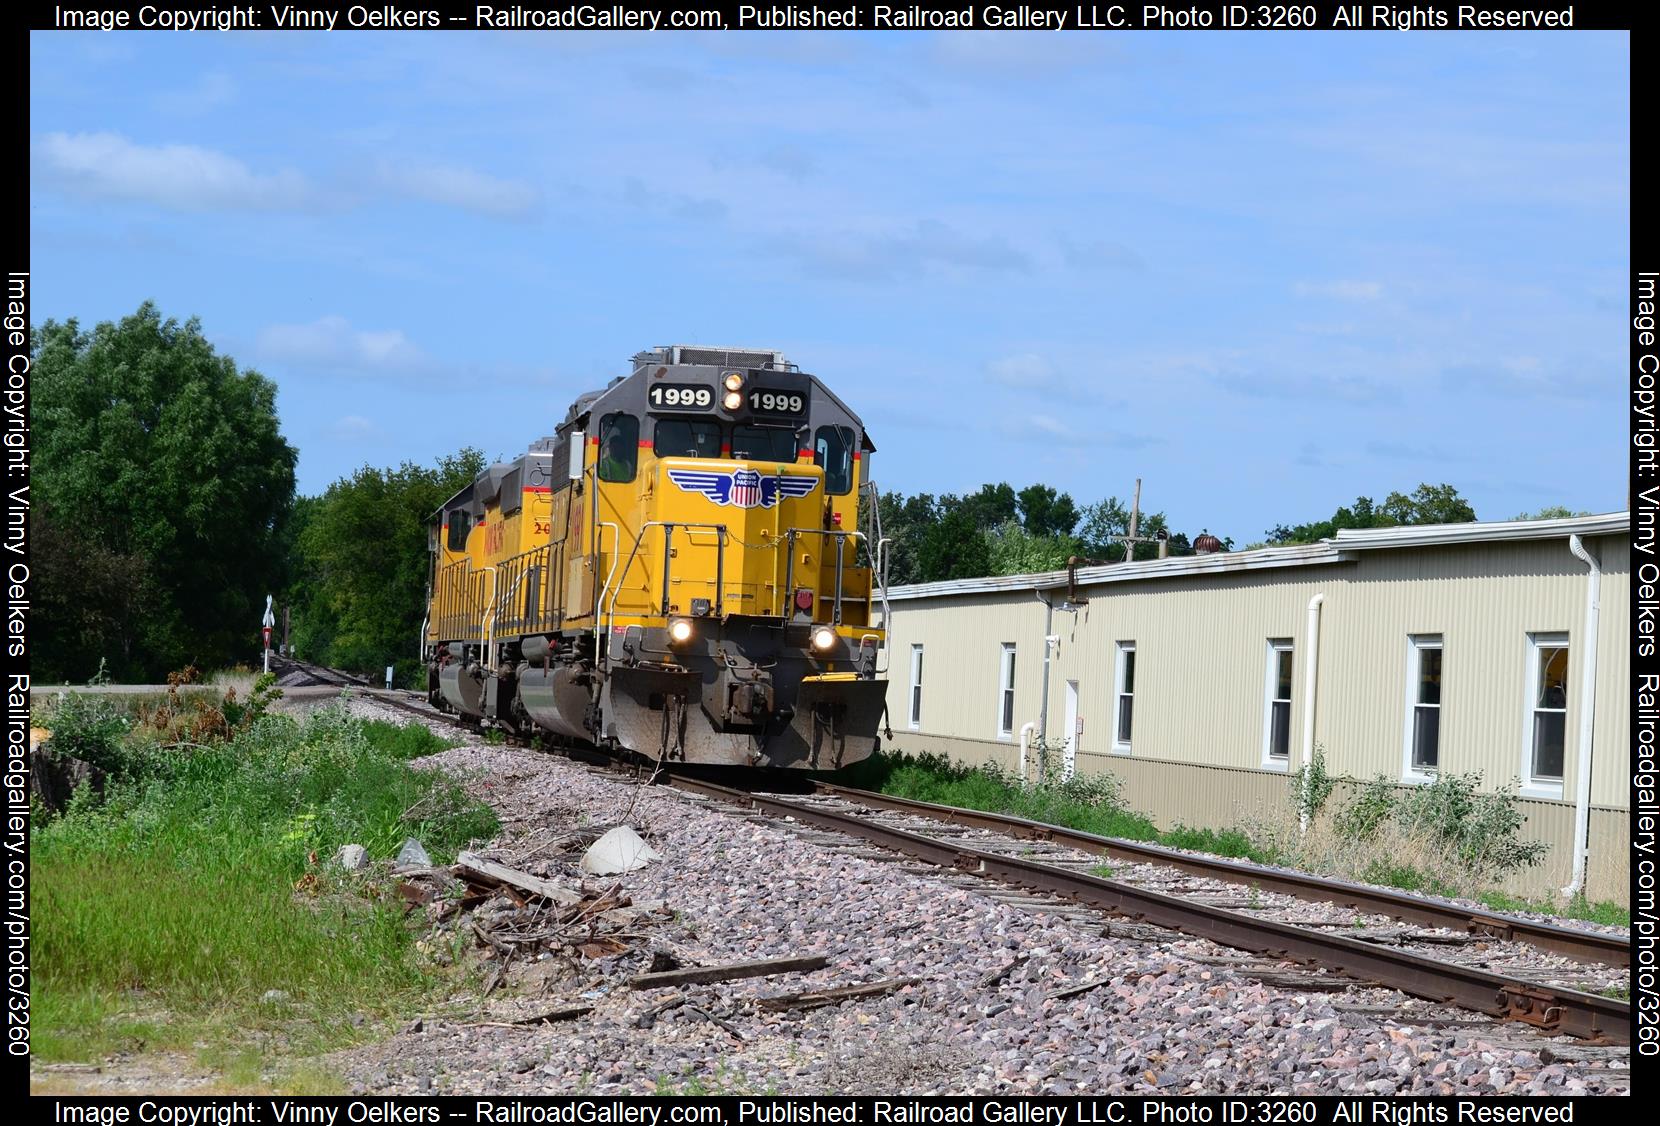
(1585, 946)
(1552, 1009)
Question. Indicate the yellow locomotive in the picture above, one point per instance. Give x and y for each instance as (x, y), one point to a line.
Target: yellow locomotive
(678, 572)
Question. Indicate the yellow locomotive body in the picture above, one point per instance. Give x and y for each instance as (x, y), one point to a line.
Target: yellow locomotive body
(679, 572)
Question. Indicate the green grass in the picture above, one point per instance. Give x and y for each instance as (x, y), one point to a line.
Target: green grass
(164, 913)
(1608, 914)
(1090, 804)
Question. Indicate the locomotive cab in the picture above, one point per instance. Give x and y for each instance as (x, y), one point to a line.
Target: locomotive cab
(704, 593)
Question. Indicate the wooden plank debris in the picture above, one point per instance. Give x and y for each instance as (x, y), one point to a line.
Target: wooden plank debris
(473, 867)
(1003, 971)
(702, 975)
(820, 997)
(1081, 987)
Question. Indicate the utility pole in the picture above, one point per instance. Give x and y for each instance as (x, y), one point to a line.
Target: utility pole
(1135, 536)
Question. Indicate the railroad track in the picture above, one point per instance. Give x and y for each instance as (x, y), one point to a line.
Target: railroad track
(1549, 1007)
(1513, 994)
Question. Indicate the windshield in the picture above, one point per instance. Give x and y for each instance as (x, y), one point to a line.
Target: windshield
(682, 438)
(763, 443)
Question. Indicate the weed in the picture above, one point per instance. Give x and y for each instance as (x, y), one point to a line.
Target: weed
(1093, 803)
(1579, 907)
(1105, 871)
(169, 906)
(1311, 785)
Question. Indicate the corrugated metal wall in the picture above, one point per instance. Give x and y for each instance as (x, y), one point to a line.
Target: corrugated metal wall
(1202, 652)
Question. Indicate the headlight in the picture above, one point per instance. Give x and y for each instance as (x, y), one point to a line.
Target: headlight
(680, 631)
(824, 638)
(733, 381)
(733, 400)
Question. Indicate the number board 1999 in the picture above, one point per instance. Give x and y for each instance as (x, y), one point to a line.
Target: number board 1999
(777, 402)
(682, 396)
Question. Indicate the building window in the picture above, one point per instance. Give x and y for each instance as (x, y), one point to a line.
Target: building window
(1276, 706)
(1124, 708)
(916, 687)
(1423, 707)
(1005, 694)
(1547, 712)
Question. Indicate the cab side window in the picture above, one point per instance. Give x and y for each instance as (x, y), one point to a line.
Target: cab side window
(461, 522)
(619, 447)
(833, 449)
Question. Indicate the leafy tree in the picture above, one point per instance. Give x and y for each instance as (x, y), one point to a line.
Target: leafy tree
(92, 604)
(905, 521)
(1015, 551)
(363, 563)
(954, 547)
(1551, 512)
(168, 465)
(1428, 504)
(1111, 517)
(991, 507)
(1044, 512)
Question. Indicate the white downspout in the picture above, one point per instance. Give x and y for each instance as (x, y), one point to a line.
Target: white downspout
(1311, 666)
(1026, 730)
(1587, 717)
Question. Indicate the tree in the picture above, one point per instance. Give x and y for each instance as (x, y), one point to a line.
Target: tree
(1428, 504)
(1550, 512)
(953, 548)
(92, 604)
(1108, 518)
(1044, 512)
(991, 507)
(361, 583)
(906, 521)
(165, 460)
(1015, 551)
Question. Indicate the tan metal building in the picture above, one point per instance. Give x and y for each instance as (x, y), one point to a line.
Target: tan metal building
(1201, 681)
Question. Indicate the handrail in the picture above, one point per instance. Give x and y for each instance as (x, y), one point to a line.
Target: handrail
(668, 526)
(488, 625)
(616, 548)
(842, 536)
(490, 661)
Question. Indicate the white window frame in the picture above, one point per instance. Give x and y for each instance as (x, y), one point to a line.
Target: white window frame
(913, 701)
(1545, 787)
(1120, 746)
(1416, 644)
(1270, 679)
(1005, 687)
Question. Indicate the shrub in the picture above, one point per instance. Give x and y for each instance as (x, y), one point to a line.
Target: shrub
(1311, 786)
(1368, 811)
(1479, 829)
(93, 730)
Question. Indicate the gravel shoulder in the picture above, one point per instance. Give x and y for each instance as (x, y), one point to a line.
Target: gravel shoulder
(1164, 1012)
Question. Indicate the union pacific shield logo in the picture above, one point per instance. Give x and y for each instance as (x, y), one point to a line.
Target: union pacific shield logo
(743, 488)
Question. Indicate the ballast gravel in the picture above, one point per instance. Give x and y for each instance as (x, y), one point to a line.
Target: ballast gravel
(740, 889)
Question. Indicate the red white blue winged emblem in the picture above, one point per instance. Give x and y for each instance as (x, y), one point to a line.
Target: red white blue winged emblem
(743, 488)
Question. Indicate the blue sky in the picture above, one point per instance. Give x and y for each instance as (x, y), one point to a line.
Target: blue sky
(1263, 272)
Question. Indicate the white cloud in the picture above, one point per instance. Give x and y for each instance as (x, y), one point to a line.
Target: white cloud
(331, 343)
(453, 185)
(185, 177)
(1346, 290)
